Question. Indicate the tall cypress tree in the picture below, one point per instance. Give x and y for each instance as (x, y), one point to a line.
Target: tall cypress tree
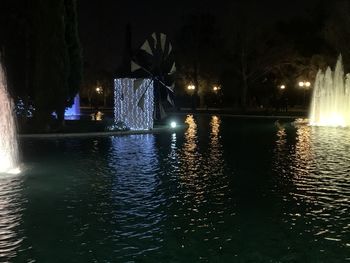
(74, 66)
(50, 59)
(56, 56)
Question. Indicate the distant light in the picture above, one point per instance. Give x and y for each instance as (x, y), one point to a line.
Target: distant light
(216, 88)
(191, 87)
(307, 84)
(282, 87)
(99, 90)
(301, 84)
(173, 124)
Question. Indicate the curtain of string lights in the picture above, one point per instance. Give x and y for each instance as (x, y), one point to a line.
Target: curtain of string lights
(133, 103)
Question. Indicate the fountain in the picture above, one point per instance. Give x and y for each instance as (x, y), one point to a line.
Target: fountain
(330, 104)
(73, 112)
(8, 134)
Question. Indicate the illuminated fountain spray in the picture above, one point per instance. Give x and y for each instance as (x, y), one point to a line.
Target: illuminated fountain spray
(330, 104)
(73, 112)
(8, 134)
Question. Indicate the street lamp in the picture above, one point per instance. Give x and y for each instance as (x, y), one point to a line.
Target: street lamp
(216, 88)
(282, 87)
(99, 90)
(305, 85)
(191, 87)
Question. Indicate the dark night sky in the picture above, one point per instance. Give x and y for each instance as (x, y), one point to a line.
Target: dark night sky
(102, 22)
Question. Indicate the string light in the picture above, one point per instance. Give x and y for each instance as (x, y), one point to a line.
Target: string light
(133, 103)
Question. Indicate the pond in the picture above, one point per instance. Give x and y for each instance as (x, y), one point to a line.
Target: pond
(222, 190)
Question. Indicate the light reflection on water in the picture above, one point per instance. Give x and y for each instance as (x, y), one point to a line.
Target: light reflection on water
(203, 194)
(134, 191)
(318, 166)
(221, 191)
(11, 202)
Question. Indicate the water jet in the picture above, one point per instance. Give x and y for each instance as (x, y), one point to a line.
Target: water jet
(8, 133)
(330, 105)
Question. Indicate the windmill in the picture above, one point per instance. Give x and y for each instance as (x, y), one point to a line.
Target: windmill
(155, 60)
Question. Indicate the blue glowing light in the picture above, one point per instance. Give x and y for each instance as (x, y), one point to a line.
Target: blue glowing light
(73, 112)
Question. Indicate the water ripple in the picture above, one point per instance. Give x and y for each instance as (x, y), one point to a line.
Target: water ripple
(224, 190)
(318, 166)
(11, 209)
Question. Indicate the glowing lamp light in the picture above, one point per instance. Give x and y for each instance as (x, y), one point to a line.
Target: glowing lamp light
(191, 87)
(282, 87)
(173, 124)
(304, 84)
(99, 90)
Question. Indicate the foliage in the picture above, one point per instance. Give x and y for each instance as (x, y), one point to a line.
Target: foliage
(74, 77)
(336, 31)
(50, 59)
(255, 53)
(56, 57)
(199, 53)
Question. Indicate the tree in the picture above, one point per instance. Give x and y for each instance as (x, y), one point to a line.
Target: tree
(255, 52)
(56, 57)
(50, 59)
(199, 52)
(74, 77)
(336, 31)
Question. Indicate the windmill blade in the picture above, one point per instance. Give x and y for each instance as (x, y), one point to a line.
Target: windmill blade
(154, 36)
(170, 100)
(169, 48)
(161, 111)
(171, 88)
(162, 41)
(141, 102)
(134, 66)
(146, 47)
(173, 69)
(137, 84)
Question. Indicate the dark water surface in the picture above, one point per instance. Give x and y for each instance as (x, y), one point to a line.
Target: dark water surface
(223, 190)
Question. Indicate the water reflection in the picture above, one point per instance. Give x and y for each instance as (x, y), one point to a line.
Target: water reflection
(215, 126)
(318, 167)
(200, 211)
(215, 148)
(173, 155)
(304, 155)
(137, 214)
(191, 161)
(190, 137)
(11, 210)
(281, 139)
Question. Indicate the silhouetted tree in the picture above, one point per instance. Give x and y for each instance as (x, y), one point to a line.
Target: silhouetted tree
(199, 53)
(56, 57)
(336, 31)
(73, 49)
(50, 59)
